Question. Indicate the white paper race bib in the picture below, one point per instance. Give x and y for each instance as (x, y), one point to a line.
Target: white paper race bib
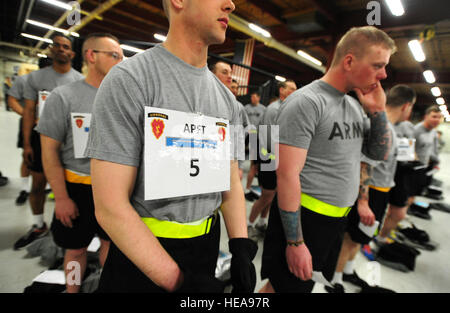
(405, 149)
(43, 95)
(185, 154)
(80, 131)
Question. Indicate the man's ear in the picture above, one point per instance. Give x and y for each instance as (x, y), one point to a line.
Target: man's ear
(348, 61)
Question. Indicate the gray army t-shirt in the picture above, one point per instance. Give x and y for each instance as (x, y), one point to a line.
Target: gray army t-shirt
(155, 78)
(425, 142)
(17, 89)
(405, 129)
(384, 171)
(269, 119)
(56, 120)
(255, 113)
(48, 79)
(330, 125)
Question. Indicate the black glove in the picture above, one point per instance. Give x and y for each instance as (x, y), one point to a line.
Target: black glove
(200, 283)
(243, 274)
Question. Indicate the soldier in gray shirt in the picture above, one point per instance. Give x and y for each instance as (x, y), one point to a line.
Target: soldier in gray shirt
(39, 84)
(377, 179)
(255, 112)
(321, 139)
(16, 103)
(426, 146)
(267, 163)
(62, 127)
(223, 71)
(170, 243)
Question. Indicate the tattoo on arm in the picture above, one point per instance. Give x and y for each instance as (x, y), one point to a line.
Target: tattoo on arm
(366, 174)
(380, 137)
(292, 225)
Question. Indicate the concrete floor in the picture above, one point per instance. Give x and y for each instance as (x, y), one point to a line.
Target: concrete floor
(432, 273)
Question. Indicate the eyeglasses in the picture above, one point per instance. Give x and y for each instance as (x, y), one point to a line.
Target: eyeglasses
(112, 54)
(58, 45)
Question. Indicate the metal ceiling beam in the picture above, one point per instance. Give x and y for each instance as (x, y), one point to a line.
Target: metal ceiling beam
(105, 6)
(242, 25)
(61, 20)
(269, 8)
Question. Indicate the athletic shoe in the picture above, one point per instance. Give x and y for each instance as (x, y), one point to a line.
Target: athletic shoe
(354, 279)
(33, 234)
(367, 252)
(337, 288)
(261, 228)
(3, 180)
(22, 198)
(419, 211)
(375, 289)
(253, 233)
(251, 196)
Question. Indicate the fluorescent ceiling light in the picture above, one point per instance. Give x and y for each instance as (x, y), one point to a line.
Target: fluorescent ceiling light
(280, 78)
(436, 91)
(440, 101)
(42, 55)
(60, 4)
(417, 51)
(396, 7)
(310, 58)
(132, 49)
(429, 77)
(65, 32)
(37, 38)
(443, 107)
(258, 29)
(160, 37)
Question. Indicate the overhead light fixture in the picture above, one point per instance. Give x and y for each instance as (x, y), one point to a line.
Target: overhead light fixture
(280, 78)
(37, 38)
(440, 101)
(429, 77)
(436, 91)
(42, 55)
(132, 49)
(308, 57)
(60, 4)
(417, 51)
(396, 7)
(258, 29)
(65, 32)
(160, 37)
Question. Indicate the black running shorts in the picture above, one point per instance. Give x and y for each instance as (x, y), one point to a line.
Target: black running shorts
(378, 202)
(20, 134)
(198, 254)
(85, 227)
(267, 179)
(323, 236)
(36, 165)
(403, 189)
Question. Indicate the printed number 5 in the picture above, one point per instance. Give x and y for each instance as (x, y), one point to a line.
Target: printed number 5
(195, 167)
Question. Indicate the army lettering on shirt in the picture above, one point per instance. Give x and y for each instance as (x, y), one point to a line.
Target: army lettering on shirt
(346, 131)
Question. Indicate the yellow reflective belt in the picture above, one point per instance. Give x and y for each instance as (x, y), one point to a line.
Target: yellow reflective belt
(265, 152)
(323, 208)
(72, 177)
(174, 230)
(382, 189)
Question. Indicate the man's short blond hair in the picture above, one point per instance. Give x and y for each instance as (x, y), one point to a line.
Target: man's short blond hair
(358, 39)
(166, 5)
